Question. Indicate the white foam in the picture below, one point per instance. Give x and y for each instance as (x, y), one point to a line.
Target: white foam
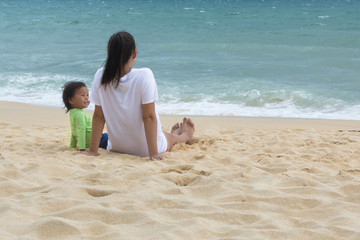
(35, 89)
(285, 109)
(47, 90)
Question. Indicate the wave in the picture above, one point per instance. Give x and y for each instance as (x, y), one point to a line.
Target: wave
(285, 110)
(42, 89)
(38, 89)
(257, 103)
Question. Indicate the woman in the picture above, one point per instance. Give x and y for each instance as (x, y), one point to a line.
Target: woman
(124, 99)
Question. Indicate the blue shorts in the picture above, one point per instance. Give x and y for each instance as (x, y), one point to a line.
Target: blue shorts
(104, 141)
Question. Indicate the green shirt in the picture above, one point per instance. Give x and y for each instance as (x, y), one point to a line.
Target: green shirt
(80, 128)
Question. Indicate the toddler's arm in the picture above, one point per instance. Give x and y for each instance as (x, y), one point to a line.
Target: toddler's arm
(80, 122)
(73, 141)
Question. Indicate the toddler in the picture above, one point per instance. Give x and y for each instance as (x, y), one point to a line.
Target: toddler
(76, 98)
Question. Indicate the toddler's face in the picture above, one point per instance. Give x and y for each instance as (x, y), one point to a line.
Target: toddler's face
(80, 98)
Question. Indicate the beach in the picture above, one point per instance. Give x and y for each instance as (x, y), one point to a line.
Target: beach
(271, 86)
(241, 178)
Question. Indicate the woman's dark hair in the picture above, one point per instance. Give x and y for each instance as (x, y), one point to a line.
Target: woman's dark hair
(69, 89)
(120, 47)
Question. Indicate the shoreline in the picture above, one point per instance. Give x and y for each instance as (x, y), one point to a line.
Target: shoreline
(14, 112)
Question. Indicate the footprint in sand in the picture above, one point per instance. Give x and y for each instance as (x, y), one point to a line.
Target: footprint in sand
(99, 192)
(54, 228)
(179, 169)
(184, 175)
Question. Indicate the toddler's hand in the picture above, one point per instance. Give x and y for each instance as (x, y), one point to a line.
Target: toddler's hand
(156, 157)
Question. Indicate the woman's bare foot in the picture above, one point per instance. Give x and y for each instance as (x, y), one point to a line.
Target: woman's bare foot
(176, 129)
(180, 133)
(188, 129)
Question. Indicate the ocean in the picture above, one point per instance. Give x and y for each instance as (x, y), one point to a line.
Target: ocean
(269, 58)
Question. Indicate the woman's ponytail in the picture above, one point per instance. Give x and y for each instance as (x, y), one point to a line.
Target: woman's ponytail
(120, 47)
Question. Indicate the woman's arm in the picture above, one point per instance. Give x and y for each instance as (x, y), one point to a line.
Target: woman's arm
(150, 125)
(98, 124)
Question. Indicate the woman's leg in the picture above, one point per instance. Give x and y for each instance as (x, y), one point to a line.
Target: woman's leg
(180, 133)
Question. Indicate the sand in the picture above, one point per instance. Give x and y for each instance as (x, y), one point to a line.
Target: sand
(242, 178)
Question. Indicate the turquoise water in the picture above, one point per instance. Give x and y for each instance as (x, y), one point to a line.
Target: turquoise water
(231, 58)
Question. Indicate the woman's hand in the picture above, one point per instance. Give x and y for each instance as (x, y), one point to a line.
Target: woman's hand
(91, 153)
(87, 153)
(156, 157)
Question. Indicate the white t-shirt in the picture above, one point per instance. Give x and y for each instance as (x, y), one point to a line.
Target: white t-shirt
(121, 106)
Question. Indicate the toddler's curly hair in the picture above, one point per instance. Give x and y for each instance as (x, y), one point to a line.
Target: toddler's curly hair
(69, 89)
